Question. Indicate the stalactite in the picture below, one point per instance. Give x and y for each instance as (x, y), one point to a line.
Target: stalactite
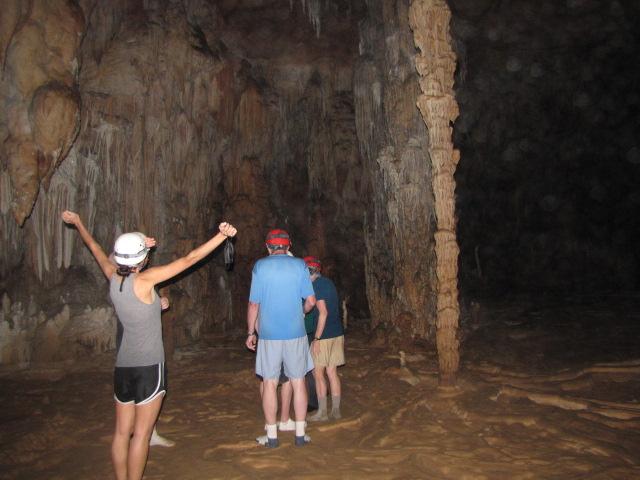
(11, 235)
(53, 241)
(429, 20)
(313, 9)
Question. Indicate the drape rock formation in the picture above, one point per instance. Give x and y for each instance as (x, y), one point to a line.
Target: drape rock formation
(39, 56)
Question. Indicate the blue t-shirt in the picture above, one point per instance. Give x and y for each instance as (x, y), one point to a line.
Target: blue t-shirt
(326, 290)
(278, 284)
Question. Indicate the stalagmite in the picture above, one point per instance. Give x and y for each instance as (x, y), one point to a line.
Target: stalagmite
(436, 63)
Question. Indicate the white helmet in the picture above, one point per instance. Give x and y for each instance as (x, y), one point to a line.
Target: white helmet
(129, 249)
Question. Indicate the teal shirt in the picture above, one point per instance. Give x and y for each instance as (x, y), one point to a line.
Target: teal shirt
(324, 289)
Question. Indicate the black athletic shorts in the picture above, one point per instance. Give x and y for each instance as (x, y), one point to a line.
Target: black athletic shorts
(139, 385)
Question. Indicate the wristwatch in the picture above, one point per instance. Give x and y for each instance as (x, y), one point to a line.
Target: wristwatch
(251, 334)
(316, 338)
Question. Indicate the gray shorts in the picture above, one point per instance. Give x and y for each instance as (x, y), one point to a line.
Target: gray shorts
(293, 354)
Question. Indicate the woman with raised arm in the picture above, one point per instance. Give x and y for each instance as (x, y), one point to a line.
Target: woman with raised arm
(139, 375)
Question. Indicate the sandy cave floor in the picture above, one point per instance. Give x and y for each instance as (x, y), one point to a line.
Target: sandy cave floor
(546, 391)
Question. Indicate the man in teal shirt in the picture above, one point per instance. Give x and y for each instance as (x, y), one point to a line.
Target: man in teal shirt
(327, 347)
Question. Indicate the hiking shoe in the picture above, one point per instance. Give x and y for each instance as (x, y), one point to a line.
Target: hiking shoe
(302, 440)
(267, 442)
(318, 417)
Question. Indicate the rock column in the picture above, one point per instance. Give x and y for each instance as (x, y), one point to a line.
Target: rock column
(436, 63)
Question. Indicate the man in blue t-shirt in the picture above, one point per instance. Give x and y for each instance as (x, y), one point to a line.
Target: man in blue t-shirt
(327, 347)
(278, 283)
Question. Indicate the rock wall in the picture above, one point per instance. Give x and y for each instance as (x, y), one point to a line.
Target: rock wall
(270, 113)
(191, 112)
(400, 220)
(40, 115)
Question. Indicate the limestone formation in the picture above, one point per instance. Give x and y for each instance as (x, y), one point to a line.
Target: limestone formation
(436, 64)
(191, 112)
(399, 221)
(40, 45)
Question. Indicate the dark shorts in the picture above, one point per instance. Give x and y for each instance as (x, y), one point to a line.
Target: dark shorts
(139, 385)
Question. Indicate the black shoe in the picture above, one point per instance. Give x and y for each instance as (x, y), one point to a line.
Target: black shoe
(302, 440)
(272, 443)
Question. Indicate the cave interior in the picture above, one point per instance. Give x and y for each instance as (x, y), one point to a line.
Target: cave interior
(463, 168)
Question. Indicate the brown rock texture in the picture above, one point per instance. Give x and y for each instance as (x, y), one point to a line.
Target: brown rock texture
(436, 65)
(40, 45)
(399, 221)
(191, 113)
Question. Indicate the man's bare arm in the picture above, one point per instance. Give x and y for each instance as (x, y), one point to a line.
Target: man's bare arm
(252, 318)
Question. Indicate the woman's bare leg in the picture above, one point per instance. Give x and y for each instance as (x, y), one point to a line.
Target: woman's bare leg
(145, 418)
(125, 418)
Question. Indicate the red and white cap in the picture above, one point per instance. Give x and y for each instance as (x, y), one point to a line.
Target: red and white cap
(278, 238)
(313, 262)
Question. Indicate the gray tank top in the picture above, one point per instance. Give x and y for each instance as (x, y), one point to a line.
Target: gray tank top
(142, 336)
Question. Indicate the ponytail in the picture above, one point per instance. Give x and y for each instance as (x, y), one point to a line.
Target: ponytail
(124, 271)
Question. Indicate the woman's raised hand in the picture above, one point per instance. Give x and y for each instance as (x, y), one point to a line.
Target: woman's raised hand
(149, 242)
(70, 217)
(227, 229)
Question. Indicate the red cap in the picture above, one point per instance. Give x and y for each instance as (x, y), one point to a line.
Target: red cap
(278, 238)
(313, 262)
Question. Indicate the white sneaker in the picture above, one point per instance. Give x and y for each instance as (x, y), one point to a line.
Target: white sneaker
(160, 441)
(287, 426)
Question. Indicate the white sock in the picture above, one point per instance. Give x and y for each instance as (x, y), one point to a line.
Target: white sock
(272, 431)
(300, 428)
